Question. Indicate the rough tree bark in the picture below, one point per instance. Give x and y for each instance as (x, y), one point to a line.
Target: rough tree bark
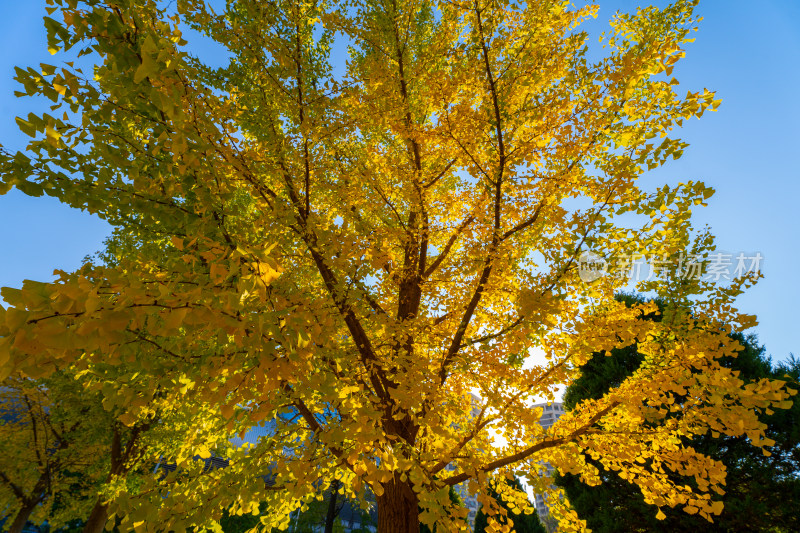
(99, 515)
(96, 522)
(398, 508)
(22, 516)
(332, 510)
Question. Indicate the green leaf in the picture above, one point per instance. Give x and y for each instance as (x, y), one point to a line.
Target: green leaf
(26, 127)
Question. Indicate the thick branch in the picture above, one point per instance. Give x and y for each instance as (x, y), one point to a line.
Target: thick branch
(441, 257)
(491, 336)
(498, 191)
(521, 226)
(527, 452)
(16, 489)
(480, 424)
(439, 175)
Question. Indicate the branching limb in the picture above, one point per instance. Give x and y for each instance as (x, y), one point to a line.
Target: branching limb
(441, 257)
(527, 452)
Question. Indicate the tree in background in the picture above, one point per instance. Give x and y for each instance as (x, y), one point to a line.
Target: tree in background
(320, 514)
(232, 523)
(762, 490)
(372, 242)
(48, 452)
(521, 522)
(60, 447)
(70, 440)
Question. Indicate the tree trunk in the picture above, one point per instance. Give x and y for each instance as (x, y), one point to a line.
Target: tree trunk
(97, 518)
(22, 517)
(96, 523)
(398, 508)
(332, 512)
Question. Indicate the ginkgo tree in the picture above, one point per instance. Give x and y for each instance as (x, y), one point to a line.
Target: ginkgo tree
(49, 460)
(77, 437)
(348, 246)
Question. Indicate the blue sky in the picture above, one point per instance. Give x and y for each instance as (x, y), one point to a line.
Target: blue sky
(748, 151)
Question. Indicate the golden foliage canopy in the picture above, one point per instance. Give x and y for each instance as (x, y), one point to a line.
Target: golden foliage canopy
(349, 248)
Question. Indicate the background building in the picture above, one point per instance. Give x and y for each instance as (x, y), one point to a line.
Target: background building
(551, 412)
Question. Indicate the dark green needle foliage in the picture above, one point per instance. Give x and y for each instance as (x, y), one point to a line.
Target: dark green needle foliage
(762, 493)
